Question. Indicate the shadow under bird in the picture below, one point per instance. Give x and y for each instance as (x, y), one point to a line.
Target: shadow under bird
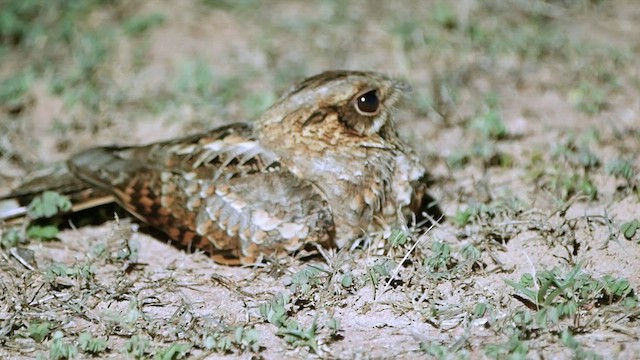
(324, 164)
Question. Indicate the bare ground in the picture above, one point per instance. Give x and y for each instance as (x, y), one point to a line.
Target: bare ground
(540, 193)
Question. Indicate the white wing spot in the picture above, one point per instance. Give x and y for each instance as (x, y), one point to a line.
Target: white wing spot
(264, 221)
(291, 230)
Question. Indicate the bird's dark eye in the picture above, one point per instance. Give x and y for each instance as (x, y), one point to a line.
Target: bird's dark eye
(368, 103)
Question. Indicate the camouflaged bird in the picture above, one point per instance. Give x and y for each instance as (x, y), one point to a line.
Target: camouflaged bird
(323, 165)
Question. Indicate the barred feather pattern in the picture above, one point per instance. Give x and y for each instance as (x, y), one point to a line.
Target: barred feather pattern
(323, 165)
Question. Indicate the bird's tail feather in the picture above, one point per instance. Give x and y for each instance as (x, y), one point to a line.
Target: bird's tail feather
(58, 178)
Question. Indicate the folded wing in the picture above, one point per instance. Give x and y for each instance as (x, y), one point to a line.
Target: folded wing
(218, 191)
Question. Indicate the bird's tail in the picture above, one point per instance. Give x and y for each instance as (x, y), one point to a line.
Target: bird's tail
(14, 205)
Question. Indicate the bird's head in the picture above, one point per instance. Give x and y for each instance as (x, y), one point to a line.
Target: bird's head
(332, 108)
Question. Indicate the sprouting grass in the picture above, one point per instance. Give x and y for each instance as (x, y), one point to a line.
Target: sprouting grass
(555, 191)
(588, 98)
(622, 168)
(562, 301)
(556, 297)
(630, 228)
(14, 88)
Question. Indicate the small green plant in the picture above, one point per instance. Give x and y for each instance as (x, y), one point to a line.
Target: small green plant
(578, 154)
(458, 159)
(13, 89)
(307, 279)
(559, 178)
(473, 212)
(140, 24)
(615, 290)
(588, 98)
(218, 342)
(295, 335)
(132, 315)
(47, 205)
(587, 158)
(568, 185)
(288, 328)
(256, 103)
(444, 16)
(60, 349)
(578, 351)
(398, 238)
(173, 352)
(334, 326)
(274, 311)
(620, 168)
(514, 348)
(434, 349)
(556, 296)
(487, 152)
(247, 339)
(196, 78)
(82, 272)
(470, 253)
(39, 331)
(491, 125)
(43, 232)
(347, 281)
(380, 270)
(630, 228)
(91, 345)
(463, 217)
(137, 346)
(518, 331)
(480, 309)
(440, 258)
(11, 237)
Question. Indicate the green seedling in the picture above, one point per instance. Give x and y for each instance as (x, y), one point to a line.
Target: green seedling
(46, 232)
(173, 352)
(620, 168)
(491, 125)
(298, 337)
(14, 88)
(247, 339)
(398, 238)
(440, 258)
(48, 204)
(556, 297)
(274, 311)
(218, 342)
(578, 351)
(91, 345)
(61, 350)
(588, 98)
(11, 237)
(138, 25)
(137, 346)
(630, 228)
(380, 270)
(39, 331)
(514, 348)
(463, 217)
(307, 279)
(347, 281)
(435, 350)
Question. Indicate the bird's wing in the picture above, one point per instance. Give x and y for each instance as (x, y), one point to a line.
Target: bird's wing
(219, 191)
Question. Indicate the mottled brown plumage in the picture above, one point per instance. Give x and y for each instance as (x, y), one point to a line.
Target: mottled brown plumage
(324, 164)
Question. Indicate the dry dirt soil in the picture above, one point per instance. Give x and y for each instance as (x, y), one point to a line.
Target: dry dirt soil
(527, 114)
